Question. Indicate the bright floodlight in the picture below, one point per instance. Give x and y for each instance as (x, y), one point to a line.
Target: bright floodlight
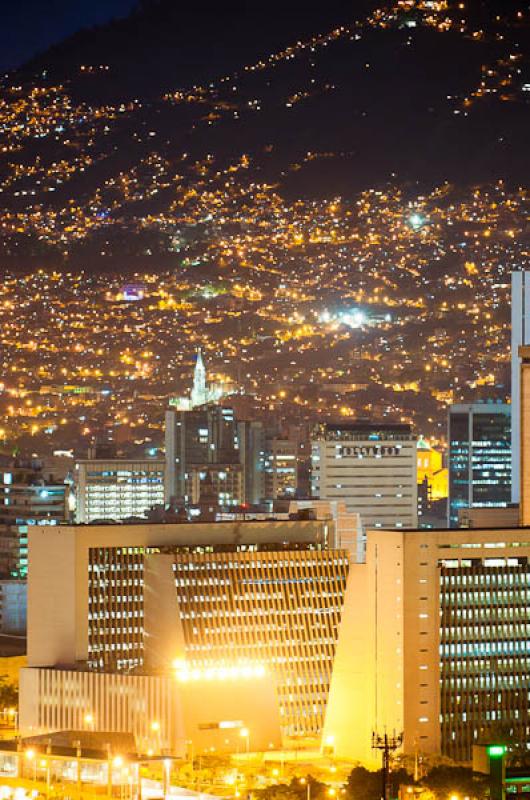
(416, 221)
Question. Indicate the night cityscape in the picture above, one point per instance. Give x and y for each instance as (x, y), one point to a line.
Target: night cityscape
(265, 400)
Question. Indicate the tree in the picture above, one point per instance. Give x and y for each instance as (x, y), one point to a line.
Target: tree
(8, 693)
(445, 780)
(295, 790)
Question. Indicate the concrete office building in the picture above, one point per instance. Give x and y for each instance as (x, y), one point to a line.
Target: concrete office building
(115, 489)
(204, 435)
(211, 596)
(479, 436)
(281, 468)
(251, 438)
(220, 484)
(520, 337)
(428, 635)
(369, 466)
(434, 642)
(13, 607)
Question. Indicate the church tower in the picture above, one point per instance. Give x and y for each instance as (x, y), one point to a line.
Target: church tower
(199, 393)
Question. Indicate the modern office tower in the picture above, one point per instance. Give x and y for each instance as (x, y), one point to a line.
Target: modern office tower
(116, 489)
(441, 623)
(29, 495)
(281, 468)
(371, 466)
(13, 607)
(251, 438)
(205, 435)
(479, 437)
(428, 635)
(520, 337)
(222, 484)
(130, 600)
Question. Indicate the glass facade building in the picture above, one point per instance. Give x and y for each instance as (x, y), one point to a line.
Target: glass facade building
(275, 605)
(484, 651)
(480, 459)
(118, 489)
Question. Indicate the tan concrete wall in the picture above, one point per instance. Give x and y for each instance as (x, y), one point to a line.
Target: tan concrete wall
(366, 691)
(525, 436)
(163, 634)
(421, 643)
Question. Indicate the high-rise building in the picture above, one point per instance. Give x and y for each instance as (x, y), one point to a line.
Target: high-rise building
(371, 467)
(520, 337)
(115, 489)
(281, 468)
(480, 460)
(427, 635)
(204, 435)
(29, 495)
(221, 484)
(252, 443)
(133, 599)
(440, 621)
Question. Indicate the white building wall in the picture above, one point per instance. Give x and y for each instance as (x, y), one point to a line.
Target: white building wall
(118, 488)
(60, 700)
(520, 337)
(375, 479)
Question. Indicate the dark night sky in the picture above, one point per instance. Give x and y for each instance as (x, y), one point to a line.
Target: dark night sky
(30, 26)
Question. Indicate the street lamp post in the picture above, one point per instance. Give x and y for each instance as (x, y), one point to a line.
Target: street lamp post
(167, 777)
(30, 756)
(245, 733)
(307, 784)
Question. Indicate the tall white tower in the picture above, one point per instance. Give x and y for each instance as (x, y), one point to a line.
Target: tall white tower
(520, 337)
(199, 392)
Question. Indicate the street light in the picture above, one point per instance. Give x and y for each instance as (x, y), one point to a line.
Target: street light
(307, 784)
(245, 733)
(30, 756)
(88, 719)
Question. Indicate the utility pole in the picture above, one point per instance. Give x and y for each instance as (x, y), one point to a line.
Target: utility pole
(387, 745)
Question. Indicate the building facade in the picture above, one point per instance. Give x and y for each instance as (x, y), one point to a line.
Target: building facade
(428, 634)
(371, 467)
(205, 435)
(480, 459)
(520, 336)
(441, 624)
(281, 468)
(252, 452)
(115, 489)
(211, 595)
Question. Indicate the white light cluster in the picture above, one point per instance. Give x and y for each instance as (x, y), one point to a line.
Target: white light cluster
(222, 672)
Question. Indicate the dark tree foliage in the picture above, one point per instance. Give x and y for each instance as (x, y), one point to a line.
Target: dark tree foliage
(447, 780)
(366, 785)
(8, 693)
(295, 790)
